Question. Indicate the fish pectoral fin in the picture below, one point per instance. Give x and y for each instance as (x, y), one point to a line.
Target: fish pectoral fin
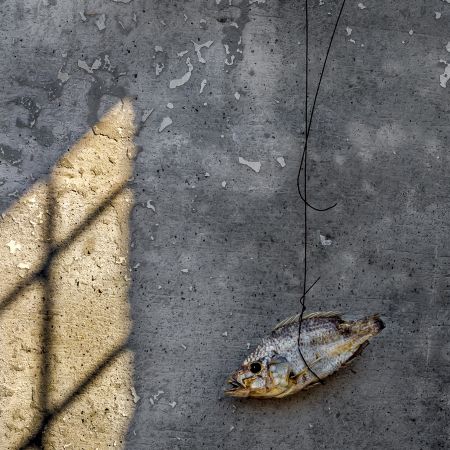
(357, 353)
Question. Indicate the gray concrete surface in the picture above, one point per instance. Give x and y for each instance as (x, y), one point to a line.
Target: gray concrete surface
(379, 147)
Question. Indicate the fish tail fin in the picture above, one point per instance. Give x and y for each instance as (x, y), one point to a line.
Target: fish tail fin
(368, 326)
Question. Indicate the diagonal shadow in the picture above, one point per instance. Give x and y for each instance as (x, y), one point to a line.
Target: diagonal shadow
(51, 409)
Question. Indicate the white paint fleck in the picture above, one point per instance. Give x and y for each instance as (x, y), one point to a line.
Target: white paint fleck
(101, 22)
(230, 63)
(361, 6)
(185, 17)
(24, 265)
(163, 23)
(447, 47)
(136, 397)
(237, 96)
(234, 24)
(173, 404)
(146, 114)
(180, 54)
(224, 184)
(207, 174)
(352, 41)
(254, 165)
(411, 32)
(325, 241)
(225, 333)
(158, 394)
(443, 78)
(202, 85)
(231, 428)
(165, 123)
(159, 68)
(184, 347)
(83, 17)
(198, 48)
(185, 270)
(158, 49)
(170, 105)
(349, 31)
(13, 246)
(437, 15)
(227, 48)
(281, 161)
(95, 65)
(152, 401)
(62, 76)
(159, 286)
(150, 206)
(185, 78)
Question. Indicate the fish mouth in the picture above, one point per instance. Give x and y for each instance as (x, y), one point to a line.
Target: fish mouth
(235, 388)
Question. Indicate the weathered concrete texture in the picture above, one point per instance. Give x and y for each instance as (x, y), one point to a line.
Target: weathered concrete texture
(378, 147)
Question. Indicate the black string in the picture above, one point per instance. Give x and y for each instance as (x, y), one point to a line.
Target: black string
(303, 162)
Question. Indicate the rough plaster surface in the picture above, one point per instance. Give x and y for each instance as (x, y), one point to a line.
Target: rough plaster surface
(215, 246)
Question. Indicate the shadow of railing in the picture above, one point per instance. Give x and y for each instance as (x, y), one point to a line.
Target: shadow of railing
(66, 375)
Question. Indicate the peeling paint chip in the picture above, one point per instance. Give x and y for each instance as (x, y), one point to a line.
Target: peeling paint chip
(443, 78)
(62, 76)
(198, 47)
(95, 65)
(437, 15)
(170, 105)
(349, 31)
(146, 114)
(100, 22)
(185, 270)
(150, 206)
(202, 85)
(224, 184)
(411, 32)
(361, 6)
(237, 96)
(180, 54)
(173, 404)
(136, 397)
(23, 265)
(254, 165)
(325, 241)
(13, 246)
(281, 161)
(225, 334)
(165, 123)
(184, 79)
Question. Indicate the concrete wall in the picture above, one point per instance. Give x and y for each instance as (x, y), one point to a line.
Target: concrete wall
(214, 247)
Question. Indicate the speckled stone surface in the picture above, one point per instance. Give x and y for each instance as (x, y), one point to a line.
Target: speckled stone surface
(215, 246)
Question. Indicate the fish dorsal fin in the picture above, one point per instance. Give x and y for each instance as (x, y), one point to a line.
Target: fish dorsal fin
(315, 315)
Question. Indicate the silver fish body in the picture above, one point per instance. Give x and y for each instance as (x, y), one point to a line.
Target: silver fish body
(327, 341)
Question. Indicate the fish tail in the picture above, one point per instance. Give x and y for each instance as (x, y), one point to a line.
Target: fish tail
(368, 326)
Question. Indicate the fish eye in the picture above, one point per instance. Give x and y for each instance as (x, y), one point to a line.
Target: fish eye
(255, 367)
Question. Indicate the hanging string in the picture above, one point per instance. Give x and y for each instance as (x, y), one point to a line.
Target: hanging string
(303, 165)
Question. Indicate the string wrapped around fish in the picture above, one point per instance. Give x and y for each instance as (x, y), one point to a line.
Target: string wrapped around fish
(277, 369)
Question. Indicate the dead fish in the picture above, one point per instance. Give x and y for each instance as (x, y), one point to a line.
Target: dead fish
(328, 342)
